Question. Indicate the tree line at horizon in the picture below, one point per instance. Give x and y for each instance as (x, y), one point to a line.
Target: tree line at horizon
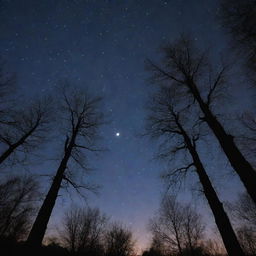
(182, 113)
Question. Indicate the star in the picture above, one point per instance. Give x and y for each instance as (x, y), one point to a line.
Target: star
(117, 134)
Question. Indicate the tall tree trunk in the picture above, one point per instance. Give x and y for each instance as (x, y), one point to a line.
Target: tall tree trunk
(37, 232)
(243, 168)
(222, 221)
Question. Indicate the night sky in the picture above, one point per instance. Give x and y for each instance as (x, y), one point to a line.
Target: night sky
(102, 45)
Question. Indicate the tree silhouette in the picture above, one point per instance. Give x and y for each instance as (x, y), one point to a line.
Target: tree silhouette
(17, 206)
(238, 18)
(83, 231)
(185, 69)
(26, 130)
(179, 227)
(244, 212)
(213, 248)
(157, 247)
(193, 229)
(82, 119)
(247, 239)
(118, 241)
(167, 124)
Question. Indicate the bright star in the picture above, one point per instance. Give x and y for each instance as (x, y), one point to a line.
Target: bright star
(117, 134)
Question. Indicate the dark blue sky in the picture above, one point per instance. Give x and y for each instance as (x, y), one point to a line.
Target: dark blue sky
(102, 45)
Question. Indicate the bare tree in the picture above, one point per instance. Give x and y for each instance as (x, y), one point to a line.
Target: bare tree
(247, 238)
(167, 124)
(84, 229)
(185, 70)
(213, 248)
(118, 241)
(193, 229)
(17, 206)
(244, 211)
(157, 248)
(81, 121)
(167, 226)
(179, 227)
(27, 129)
(247, 138)
(239, 19)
